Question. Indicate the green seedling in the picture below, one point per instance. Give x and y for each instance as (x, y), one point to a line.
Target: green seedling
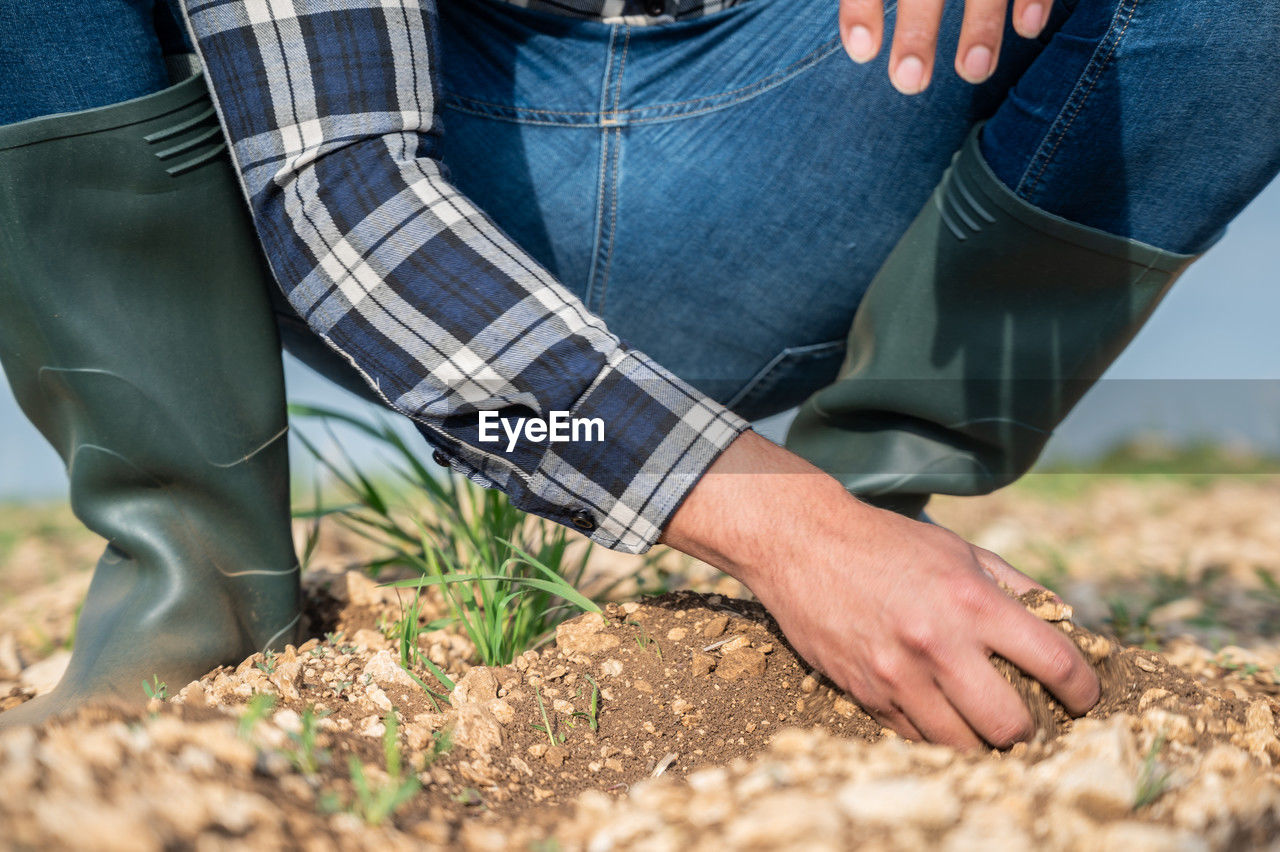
(441, 744)
(406, 632)
(1133, 627)
(505, 611)
(1225, 662)
(335, 640)
(1241, 670)
(255, 711)
(1270, 586)
(469, 796)
(375, 803)
(593, 708)
(306, 754)
(267, 665)
(1154, 779)
(439, 675)
(313, 531)
(547, 845)
(434, 697)
(156, 689)
(1269, 596)
(546, 727)
(645, 641)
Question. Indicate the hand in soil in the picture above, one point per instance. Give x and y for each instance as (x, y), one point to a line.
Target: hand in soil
(903, 615)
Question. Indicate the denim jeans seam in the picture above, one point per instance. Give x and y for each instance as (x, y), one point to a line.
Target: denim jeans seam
(613, 185)
(622, 69)
(601, 181)
(613, 219)
(1075, 102)
(506, 112)
(604, 166)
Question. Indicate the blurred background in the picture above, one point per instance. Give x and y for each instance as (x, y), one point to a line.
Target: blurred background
(1200, 384)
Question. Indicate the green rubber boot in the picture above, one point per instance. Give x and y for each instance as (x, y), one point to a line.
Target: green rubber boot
(136, 335)
(985, 326)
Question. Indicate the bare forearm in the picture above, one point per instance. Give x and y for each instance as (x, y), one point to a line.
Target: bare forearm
(754, 504)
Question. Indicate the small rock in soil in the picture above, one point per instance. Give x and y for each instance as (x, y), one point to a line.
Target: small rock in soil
(741, 663)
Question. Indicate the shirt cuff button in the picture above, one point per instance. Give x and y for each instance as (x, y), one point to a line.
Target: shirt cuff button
(440, 458)
(582, 520)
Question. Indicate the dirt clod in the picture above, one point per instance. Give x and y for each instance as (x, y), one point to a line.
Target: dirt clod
(715, 626)
(741, 663)
(703, 664)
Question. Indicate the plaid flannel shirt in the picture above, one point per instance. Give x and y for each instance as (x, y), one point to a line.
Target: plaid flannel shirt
(329, 107)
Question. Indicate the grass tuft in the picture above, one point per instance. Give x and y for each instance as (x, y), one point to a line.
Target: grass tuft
(255, 711)
(593, 706)
(376, 802)
(405, 632)
(506, 579)
(1154, 779)
(306, 754)
(546, 726)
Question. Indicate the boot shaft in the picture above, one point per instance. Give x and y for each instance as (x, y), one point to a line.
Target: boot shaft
(137, 335)
(986, 324)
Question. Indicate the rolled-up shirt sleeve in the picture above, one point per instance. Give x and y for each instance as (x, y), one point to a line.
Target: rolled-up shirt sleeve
(329, 107)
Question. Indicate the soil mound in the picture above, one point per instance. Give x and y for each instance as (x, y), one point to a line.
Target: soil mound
(644, 689)
(678, 683)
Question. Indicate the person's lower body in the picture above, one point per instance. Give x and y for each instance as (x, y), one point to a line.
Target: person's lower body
(136, 334)
(725, 192)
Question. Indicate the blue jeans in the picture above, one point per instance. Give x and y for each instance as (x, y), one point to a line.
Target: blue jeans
(722, 191)
(69, 55)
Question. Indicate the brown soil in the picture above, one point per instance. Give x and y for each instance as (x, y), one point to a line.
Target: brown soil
(751, 750)
(690, 686)
(679, 682)
(685, 682)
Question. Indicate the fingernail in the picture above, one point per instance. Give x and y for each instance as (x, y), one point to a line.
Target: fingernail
(908, 77)
(1032, 20)
(977, 63)
(859, 45)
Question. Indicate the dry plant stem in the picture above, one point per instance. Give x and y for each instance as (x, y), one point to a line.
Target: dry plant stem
(903, 615)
